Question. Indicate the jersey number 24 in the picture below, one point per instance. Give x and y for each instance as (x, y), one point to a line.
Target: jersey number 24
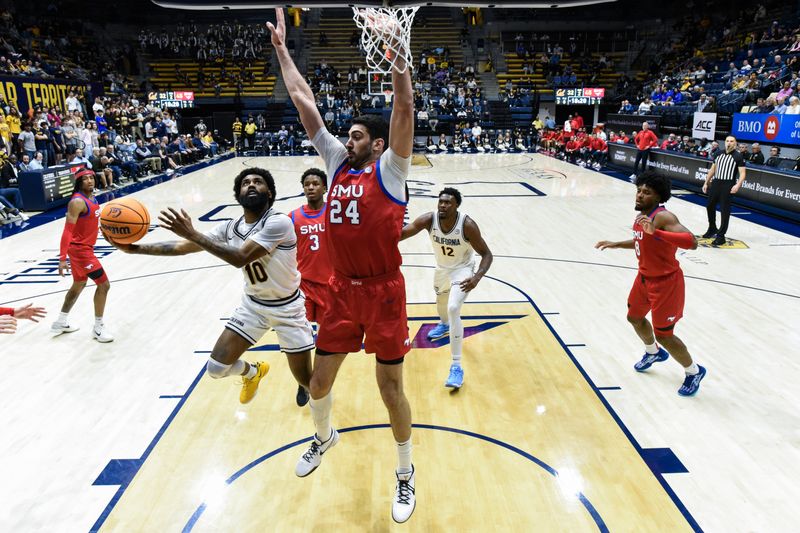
(351, 211)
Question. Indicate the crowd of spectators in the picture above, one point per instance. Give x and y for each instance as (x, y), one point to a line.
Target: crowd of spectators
(226, 41)
(756, 70)
(118, 137)
(45, 47)
(539, 54)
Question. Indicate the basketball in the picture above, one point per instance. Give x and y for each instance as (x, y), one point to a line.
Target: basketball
(125, 220)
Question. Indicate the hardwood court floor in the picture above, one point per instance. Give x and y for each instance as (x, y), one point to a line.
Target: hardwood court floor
(553, 430)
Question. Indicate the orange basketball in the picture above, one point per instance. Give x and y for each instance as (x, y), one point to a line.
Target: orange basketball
(125, 220)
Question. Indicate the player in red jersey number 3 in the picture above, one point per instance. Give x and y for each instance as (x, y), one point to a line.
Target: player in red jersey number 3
(77, 243)
(659, 285)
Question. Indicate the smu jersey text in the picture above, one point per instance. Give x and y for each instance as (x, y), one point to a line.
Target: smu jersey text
(312, 250)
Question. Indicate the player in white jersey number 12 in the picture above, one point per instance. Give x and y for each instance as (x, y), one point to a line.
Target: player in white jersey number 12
(454, 236)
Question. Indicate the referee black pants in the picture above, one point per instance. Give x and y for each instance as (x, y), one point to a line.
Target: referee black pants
(719, 193)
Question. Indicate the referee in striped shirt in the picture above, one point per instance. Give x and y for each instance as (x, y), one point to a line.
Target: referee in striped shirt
(726, 176)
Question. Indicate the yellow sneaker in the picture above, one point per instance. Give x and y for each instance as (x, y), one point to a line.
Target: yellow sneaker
(250, 385)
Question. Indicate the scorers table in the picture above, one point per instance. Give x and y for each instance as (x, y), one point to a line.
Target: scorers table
(48, 188)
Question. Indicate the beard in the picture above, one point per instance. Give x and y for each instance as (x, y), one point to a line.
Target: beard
(254, 203)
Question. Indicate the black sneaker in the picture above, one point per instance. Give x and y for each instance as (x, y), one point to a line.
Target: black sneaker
(710, 233)
(302, 396)
(719, 240)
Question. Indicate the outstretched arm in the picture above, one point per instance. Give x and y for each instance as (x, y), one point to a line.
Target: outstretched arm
(421, 223)
(602, 245)
(473, 235)
(299, 91)
(401, 126)
(158, 248)
(181, 225)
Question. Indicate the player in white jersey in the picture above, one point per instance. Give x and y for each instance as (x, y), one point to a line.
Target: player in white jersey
(263, 244)
(454, 237)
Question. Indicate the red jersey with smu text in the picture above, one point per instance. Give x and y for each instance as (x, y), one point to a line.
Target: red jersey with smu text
(312, 250)
(85, 232)
(363, 223)
(656, 257)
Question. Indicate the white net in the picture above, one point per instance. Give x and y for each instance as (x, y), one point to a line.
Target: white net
(386, 36)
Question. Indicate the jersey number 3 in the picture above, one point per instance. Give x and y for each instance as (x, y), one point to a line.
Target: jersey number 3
(351, 211)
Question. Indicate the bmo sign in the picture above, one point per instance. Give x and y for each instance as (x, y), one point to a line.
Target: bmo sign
(781, 129)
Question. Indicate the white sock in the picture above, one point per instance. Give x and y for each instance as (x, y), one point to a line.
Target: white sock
(404, 457)
(321, 413)
(62, 318)
(652, 349)
(98, 323)
(692, 369)
(454, 303)
(237, 369)
(457, 360)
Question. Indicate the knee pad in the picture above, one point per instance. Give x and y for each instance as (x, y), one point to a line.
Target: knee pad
(217, 370)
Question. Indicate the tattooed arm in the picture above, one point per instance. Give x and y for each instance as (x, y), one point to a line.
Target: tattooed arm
(158, 248)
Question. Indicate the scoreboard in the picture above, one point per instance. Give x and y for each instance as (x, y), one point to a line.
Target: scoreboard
(47, 188)
(58, 182)
(580, 96)
(180, 99)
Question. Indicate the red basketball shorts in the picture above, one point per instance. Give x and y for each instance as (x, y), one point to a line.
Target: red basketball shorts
(84, 265)
(316, 298)
(663, 295)
(372, 309)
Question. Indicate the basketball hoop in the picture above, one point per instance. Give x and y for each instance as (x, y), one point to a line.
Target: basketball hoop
(386, 36)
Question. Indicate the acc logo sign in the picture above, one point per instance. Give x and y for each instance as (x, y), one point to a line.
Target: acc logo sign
(114, 212)
(771, 127)
(703, 125)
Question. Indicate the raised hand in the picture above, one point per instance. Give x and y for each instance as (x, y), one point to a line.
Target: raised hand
(178, 223)
(646, 223)
(279, 32)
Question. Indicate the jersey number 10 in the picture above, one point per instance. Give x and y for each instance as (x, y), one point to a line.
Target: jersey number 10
(256, 273)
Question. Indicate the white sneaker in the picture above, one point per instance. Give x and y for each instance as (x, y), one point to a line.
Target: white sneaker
(312, 458)
(102, 335)
(58, 328)
(404, 498)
